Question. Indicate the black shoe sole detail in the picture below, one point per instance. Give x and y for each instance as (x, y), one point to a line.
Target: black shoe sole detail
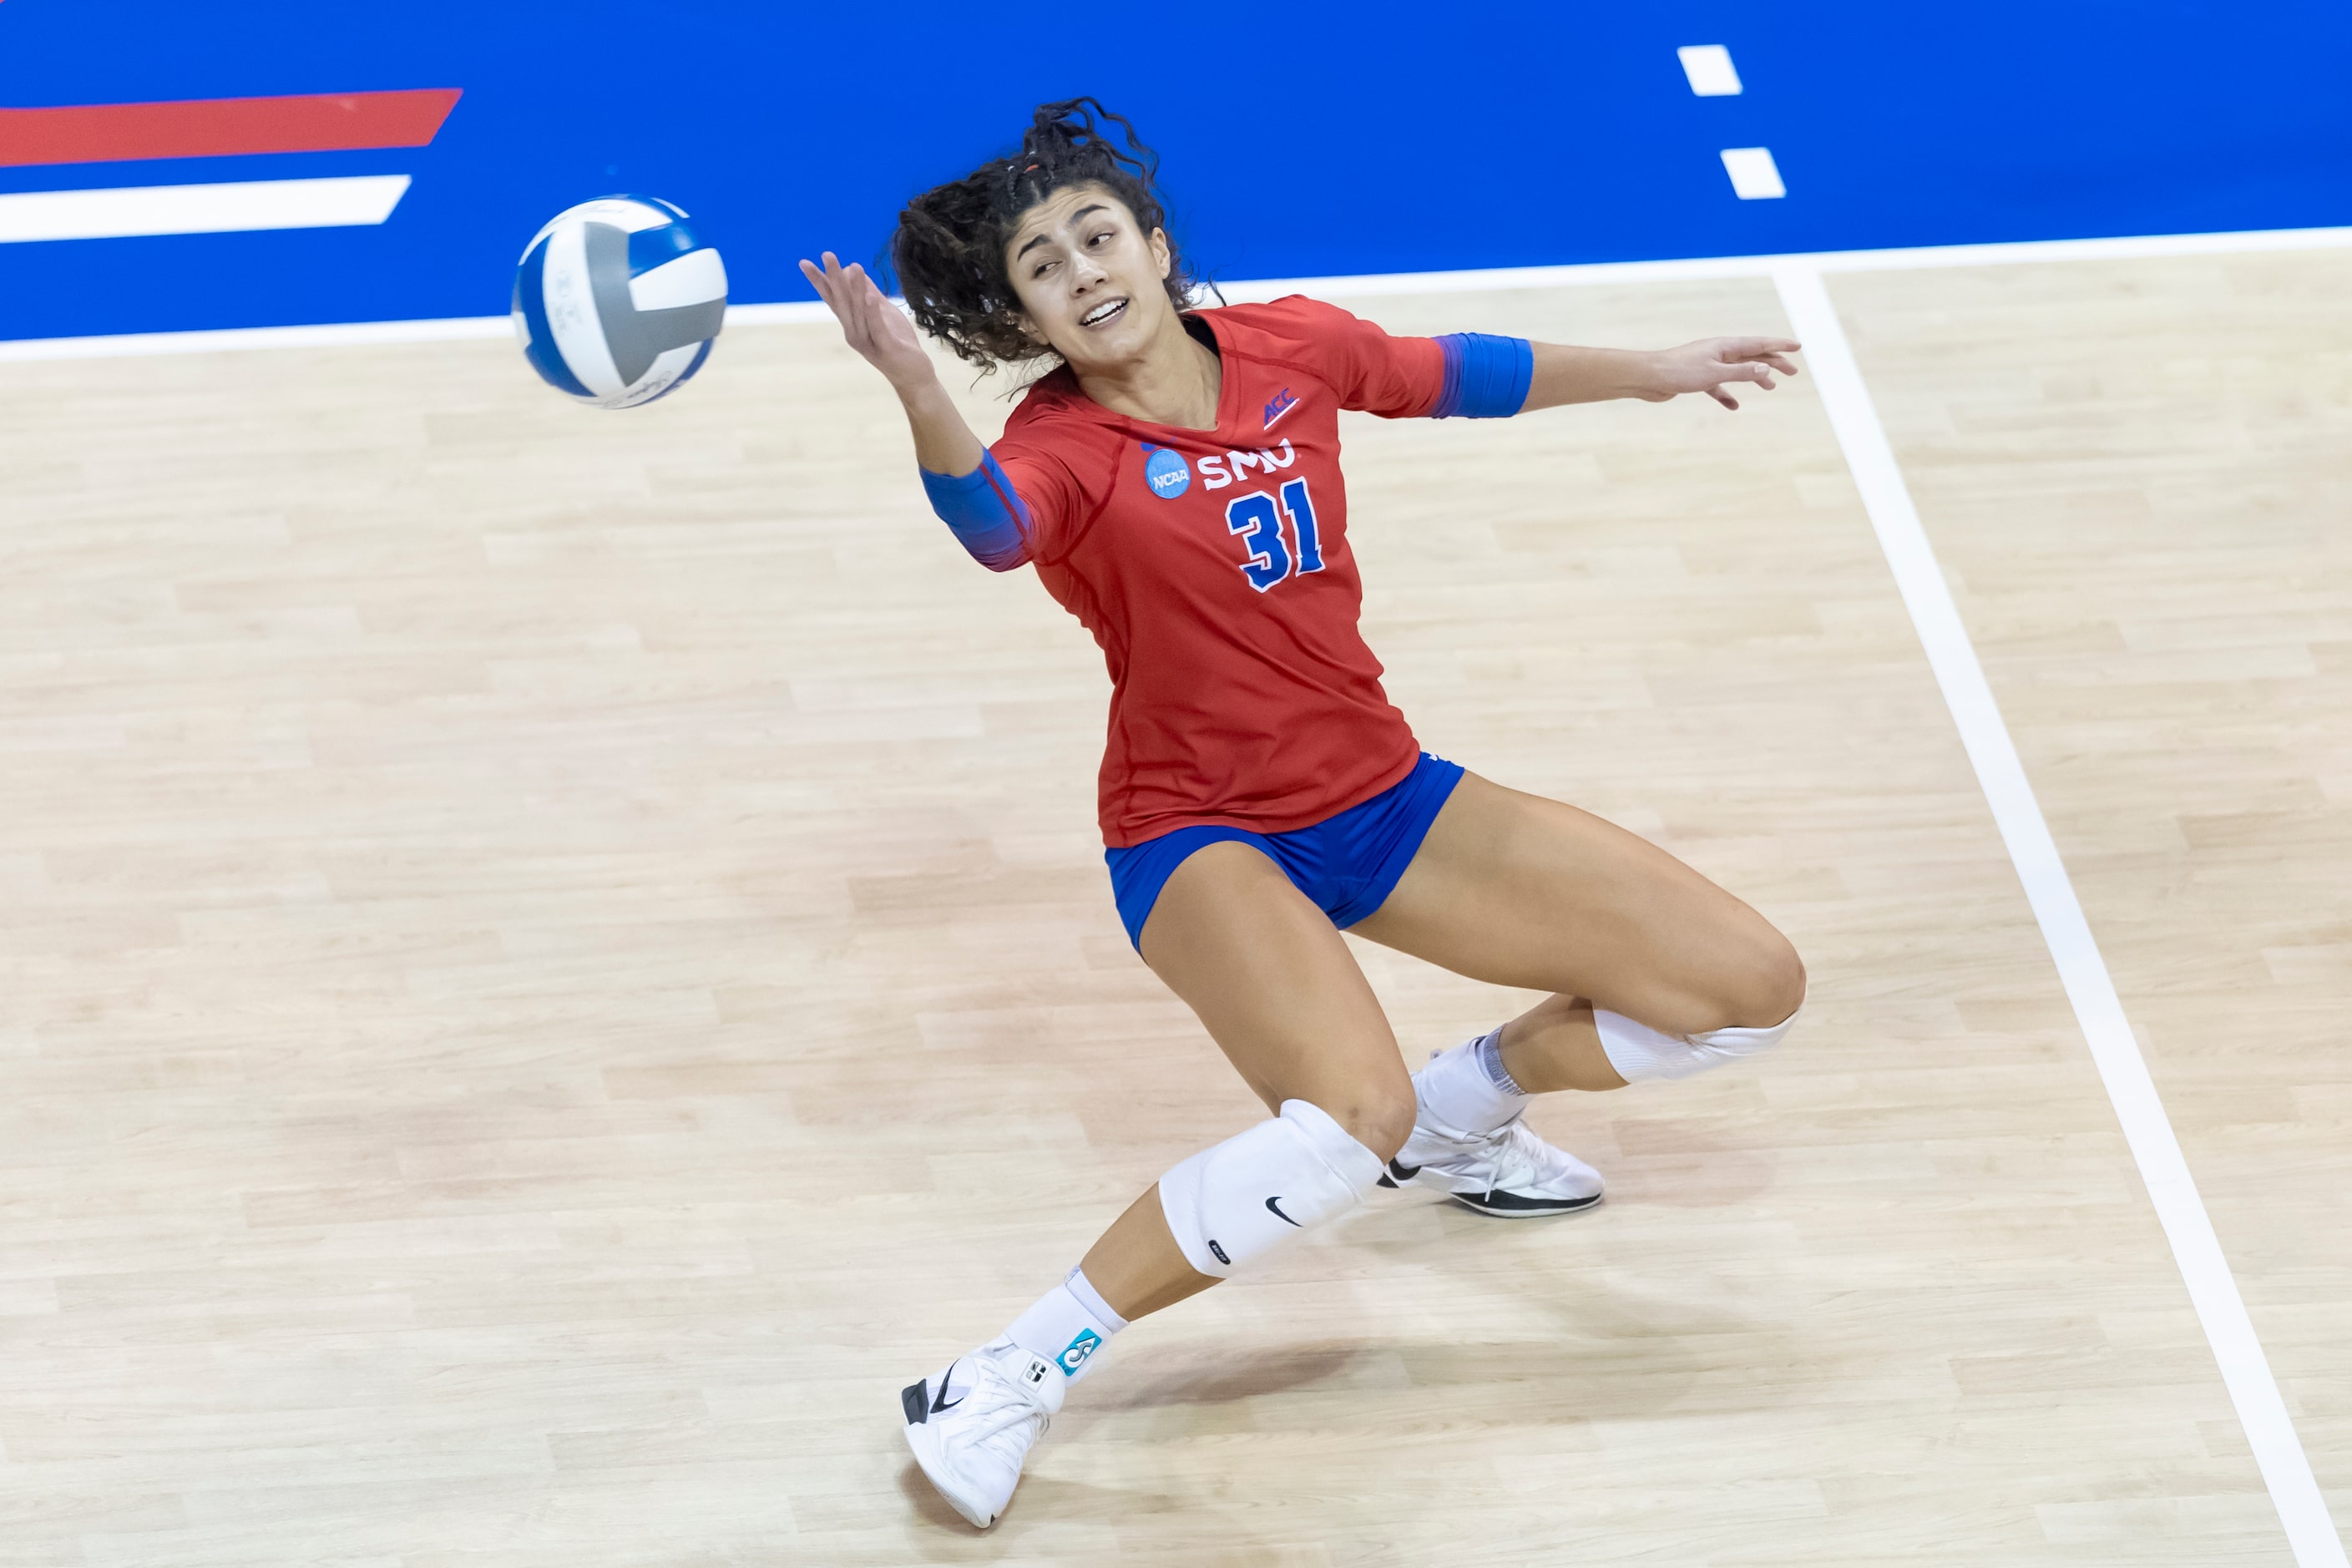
(917, 1404)
(1398, 1174)
(1510, 1205)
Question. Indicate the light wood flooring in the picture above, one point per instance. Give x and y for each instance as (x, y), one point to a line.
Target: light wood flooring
(552, 960)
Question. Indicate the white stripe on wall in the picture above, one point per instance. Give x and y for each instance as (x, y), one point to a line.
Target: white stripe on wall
(2148, 1130)
(125, 211)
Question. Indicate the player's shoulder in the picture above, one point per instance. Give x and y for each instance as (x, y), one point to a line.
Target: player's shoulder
(1049, 393)
(1053, 410)
(1056, 420)
(1299, 335)
(1295, 319)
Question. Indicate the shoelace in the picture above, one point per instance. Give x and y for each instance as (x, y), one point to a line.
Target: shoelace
(1509, 1157)
(1513, 1157)
(1003, 1407)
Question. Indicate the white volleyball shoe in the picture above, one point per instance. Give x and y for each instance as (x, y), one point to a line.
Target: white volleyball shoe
(971, 1425)
(1509, 1172)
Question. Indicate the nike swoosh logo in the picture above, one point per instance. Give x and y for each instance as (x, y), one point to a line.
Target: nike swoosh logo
(940, 1401)
(1275, 1204)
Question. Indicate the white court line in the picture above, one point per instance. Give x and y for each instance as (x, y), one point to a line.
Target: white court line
(2098, 1009)
(2126, 247)
(341, 334)
(1479, 280)
(122, 212)
(784, 313)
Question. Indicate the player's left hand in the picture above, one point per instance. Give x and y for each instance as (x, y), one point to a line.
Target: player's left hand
(1709, 364)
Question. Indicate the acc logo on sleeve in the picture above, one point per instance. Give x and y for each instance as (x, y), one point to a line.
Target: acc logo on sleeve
(1167, 472)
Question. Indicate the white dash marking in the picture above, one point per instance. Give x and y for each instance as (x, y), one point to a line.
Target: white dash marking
(1754, 176)
(1709, 69)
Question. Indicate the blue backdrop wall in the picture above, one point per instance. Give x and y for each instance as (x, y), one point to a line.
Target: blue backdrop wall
(1299, 139)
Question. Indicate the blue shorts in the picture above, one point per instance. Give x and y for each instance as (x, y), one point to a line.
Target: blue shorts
(1347, 863)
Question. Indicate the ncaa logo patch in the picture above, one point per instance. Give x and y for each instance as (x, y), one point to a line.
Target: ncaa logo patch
(1167, 473)
(1074, 1355)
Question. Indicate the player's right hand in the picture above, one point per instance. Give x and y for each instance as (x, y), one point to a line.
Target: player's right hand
(871, 324)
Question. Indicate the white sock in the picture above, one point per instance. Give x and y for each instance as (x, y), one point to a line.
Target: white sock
(1469, 1088)
(1067, 1326)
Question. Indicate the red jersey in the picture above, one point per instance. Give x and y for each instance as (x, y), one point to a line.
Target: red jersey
(1212, 567)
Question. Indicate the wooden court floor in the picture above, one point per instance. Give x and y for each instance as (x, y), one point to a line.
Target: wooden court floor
(553, 960)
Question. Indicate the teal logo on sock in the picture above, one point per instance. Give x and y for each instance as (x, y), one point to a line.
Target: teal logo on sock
(1085, 1345)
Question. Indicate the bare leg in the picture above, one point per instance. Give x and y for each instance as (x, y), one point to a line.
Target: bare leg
(1137, 1264)
(1280, 992)
(1520, 890)
(1553, 1046)
(1282, 996)
(1507, 888)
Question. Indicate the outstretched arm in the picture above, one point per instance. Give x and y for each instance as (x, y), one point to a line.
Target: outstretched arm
(967, 489)
(883, 336)
(1565, 375)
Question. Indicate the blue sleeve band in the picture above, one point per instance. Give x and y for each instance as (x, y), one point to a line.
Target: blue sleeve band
(983, 511)
(1487, 377)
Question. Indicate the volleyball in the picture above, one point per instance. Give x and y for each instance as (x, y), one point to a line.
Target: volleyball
(617, 302)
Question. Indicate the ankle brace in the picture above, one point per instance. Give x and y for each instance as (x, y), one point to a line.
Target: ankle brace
(1467, 1087)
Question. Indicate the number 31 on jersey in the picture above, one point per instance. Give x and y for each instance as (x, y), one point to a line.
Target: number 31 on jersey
(1255, 519)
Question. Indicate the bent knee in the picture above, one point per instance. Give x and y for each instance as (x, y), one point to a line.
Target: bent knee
(1763, 985)
(1379, 1119)
(1779, 985)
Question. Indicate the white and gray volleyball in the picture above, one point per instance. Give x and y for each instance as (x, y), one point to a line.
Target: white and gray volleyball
(617, 301)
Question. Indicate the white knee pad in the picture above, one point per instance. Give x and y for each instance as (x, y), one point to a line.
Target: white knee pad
(1256, 1190)
(1637, 1051)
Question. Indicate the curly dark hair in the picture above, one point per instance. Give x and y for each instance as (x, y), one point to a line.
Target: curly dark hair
(949, 250)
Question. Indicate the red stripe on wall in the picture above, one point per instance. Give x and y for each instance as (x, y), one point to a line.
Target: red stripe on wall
(222, 127)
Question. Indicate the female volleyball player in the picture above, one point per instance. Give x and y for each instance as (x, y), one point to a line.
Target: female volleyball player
(1175, 481)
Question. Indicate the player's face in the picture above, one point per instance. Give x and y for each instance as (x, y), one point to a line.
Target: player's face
(1090, 277)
